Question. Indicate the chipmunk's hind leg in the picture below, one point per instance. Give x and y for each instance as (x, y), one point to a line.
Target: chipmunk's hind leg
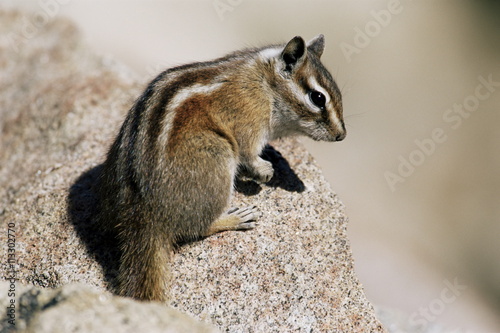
(235, 219)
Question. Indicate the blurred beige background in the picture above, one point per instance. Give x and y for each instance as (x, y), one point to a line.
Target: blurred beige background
(418, 112)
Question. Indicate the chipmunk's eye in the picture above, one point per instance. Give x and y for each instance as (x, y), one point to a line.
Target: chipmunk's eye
(317, 98)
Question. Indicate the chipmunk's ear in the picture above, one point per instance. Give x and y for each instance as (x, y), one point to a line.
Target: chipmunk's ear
(317, 45)
(294, 53)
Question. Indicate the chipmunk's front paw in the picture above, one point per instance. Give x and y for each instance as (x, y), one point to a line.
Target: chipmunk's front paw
(263, 171)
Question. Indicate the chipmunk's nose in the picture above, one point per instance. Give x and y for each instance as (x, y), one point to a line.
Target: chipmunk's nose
(341, 136)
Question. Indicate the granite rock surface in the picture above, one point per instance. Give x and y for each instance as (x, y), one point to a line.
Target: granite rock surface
(60, 107)
(79, 308)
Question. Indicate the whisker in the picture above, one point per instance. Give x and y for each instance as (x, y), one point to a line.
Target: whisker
(355, 115)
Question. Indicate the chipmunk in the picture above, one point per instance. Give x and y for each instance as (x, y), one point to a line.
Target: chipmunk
(169, 175)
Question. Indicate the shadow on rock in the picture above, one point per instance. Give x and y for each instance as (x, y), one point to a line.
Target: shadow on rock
(83, 205)
(284, 176)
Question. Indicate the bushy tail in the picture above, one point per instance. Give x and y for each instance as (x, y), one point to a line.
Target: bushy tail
(144, 266)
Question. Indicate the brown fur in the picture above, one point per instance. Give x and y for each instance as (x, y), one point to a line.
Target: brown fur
(169, 174)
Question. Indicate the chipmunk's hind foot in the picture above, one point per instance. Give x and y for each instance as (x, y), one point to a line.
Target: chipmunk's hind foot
(235, 219)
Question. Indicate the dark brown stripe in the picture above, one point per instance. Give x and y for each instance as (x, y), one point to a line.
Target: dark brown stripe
(158, 113)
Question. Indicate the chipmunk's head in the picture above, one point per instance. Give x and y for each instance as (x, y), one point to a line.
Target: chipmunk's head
(306, 98)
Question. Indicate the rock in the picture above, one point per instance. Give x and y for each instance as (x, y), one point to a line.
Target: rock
(79, 308)
(61, 106)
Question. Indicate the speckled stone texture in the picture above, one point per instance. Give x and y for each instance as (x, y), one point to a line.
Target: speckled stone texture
(61, 106)
(78, 308)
